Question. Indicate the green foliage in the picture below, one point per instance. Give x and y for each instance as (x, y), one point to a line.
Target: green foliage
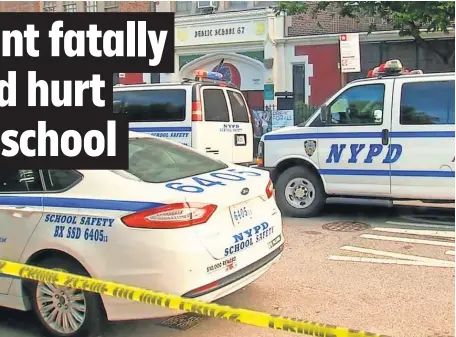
(409, 17)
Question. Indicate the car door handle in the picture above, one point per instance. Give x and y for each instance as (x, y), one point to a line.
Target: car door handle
(385, 137)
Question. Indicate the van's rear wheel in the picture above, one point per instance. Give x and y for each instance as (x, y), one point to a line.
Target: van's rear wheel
(300, 193)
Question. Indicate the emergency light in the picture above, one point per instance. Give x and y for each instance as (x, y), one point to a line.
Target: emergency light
(210, 75)
(391, 67)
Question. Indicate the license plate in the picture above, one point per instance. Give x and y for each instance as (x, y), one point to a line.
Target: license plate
(241, 213)
(240, 140)
(275, 241)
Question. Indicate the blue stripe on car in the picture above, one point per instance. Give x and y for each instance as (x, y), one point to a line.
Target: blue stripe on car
(162, 129)
(102, 204)
(335, 135)
(386, 173)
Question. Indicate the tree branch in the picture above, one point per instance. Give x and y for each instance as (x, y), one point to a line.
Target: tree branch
(415, 33)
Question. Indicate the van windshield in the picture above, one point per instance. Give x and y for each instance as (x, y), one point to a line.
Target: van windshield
(157, 161)
(156, 105)
(302, 124)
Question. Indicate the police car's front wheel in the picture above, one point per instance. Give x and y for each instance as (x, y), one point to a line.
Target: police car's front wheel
(66, 312)
(300, 193)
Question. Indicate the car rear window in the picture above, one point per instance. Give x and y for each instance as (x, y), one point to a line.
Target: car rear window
(156, 161)
(215, 107)
(160, 105)
(238, 106)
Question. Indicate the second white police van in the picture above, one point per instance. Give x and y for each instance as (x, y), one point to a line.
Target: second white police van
(387, 137)
(206, 113)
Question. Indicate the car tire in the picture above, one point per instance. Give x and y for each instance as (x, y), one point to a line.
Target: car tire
(92, 320)
(313, 185)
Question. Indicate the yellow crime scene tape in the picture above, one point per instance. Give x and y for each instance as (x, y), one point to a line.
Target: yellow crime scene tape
(150, 297)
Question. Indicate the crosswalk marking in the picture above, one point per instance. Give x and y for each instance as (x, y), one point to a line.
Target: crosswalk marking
(438, 233)
(390, 261)
(400, 239)
(391, 254)
(399, 223)
(416, 232)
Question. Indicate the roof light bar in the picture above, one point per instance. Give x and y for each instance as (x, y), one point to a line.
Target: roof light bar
(210, 75)
(391, 68)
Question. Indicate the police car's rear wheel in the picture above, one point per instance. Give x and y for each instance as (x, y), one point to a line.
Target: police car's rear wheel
(66, 312)
(299, 192)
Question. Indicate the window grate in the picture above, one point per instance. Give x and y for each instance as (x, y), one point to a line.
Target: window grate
(91, 6)
(184, 6)
(49, 6)
(237, 4)
(111, 6)
(69, 6)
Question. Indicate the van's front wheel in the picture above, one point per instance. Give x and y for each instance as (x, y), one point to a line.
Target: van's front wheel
(300, 193)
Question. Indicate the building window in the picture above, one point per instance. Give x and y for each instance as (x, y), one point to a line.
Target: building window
(184, 6)
(236, 4)
(265, 3)
(49, 6)
(69, 6)
(91, 6)
(111, 6)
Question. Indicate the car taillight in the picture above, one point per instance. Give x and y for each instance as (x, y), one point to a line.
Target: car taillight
(197, 115)
(270, 189)
(170, 216)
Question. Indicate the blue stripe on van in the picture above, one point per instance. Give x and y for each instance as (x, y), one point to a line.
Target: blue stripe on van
(101, 204)
(387, 173)
(162, 129)
(331, 135)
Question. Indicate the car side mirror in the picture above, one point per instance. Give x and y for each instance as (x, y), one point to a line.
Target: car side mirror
(324, 113)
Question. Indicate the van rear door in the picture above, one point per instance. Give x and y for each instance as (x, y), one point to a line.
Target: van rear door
(159, 111)
(213, 135)
(243, 131)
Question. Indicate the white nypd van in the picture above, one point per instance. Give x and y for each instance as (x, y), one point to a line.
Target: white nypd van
(206, 113)
(389, 137)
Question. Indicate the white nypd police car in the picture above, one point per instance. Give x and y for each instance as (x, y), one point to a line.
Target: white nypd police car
(177, 221)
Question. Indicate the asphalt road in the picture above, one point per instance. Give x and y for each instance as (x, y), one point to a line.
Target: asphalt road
(324, 276)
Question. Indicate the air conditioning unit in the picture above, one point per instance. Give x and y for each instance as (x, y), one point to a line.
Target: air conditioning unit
(207, 4)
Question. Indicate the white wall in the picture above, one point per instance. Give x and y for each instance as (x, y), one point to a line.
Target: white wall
(287, 74)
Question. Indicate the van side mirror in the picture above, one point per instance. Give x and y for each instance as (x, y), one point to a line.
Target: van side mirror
(324, 113)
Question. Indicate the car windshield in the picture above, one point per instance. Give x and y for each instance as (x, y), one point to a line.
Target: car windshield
(156, 161)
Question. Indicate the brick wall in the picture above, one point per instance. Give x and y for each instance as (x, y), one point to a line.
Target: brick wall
(135, 6)
(34, 6)
(19, 6)
(331, 23)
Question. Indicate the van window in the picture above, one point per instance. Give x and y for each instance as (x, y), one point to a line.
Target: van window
(215, 107)
(238, 107)
(360, 105)
(156, 161)
(163, 105)
(427, 103)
